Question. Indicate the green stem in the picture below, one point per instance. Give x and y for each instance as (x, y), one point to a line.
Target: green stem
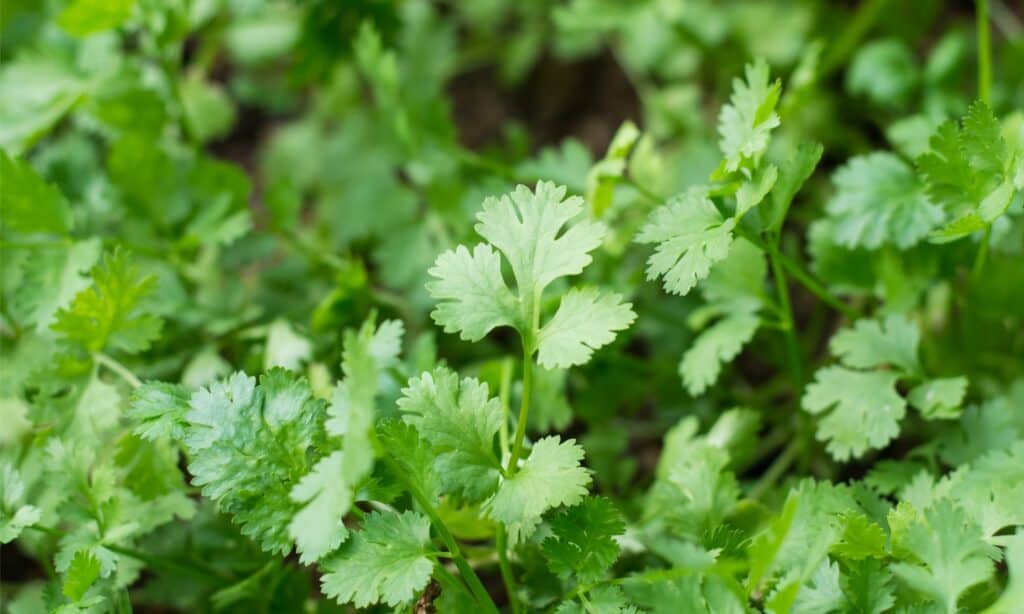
(504, 392)
(122, 371)
(483, 598)
(501, 543)
(524, 412)
(985, 95)
(982, 255)
(776, 469)
(805, 279)
(447, 577)
(849, 39)
(984, 52)
(792, 348)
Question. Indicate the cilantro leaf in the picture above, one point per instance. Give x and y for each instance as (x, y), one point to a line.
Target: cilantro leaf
(28, 203)
(939, 399)
(473, 298)
(879, 201)
(327, 494)
(948, 554)
(582, 539)
(387, 560)
(745, 124)
(15, 513)
(80, 575)
(865, 409)
(460, 422)
(690, 236)
(84, 17)
(969, 171)
(159, 411)
(872, 343)
(585, 321)
(248, 446)
(550, 477)
(717, 345)
(51, 279)
(111, 312)
(793, 173)
(527, 228)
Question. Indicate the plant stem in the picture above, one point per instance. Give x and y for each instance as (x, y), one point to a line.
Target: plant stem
(985, 95)
(776, 469)
(792, 347)
(856, 28)
(806, 280)
(982, 255)
(469, 576)
(504, 392)
(122, 371)
(524, 412)
(501, 543)
(984, 52)
(446, 577)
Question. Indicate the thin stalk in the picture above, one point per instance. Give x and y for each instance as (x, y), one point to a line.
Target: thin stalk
(447, 577)
(984, 52)
(985, 95)
(483, 598)
(504, 392)
(849, 39)
(776, 470)
(524, 412)
(119, 369)
(792, 347)
(982, 255)
(805, 279)
(501, 543)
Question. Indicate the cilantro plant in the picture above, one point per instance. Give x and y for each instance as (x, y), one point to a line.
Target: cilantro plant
(585, 307)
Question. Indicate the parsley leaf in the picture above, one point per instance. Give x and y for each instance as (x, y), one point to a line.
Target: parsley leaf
(582, 539)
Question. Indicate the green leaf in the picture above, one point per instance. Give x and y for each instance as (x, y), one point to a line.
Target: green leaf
(752, 192)
(585, 321)
(863, 409)
(601, 600)
(765, 546)
(860, 539)
(460, 422)
(111, 313)
(527, 227)
(793, 173)
(868, 587)
(248, 447)
(716, 346)
(939, 399)
(879, 201)
(326, 493)
(84, 17)
(1012, 595)
(874, 343)
(15, 514)
(159, 409)
(821, 593)
(28, 203)
(884, 71)
(949, 555)
(209, 110)
(472, 296)
(35, 94)
(550, 477)
(745, 124)
(690, 236)
(387, 560)
(582, 539)
(83, 571)
(52, 277)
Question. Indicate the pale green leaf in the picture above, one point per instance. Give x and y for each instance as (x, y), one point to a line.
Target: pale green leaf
(386, 561)
(585, 321)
